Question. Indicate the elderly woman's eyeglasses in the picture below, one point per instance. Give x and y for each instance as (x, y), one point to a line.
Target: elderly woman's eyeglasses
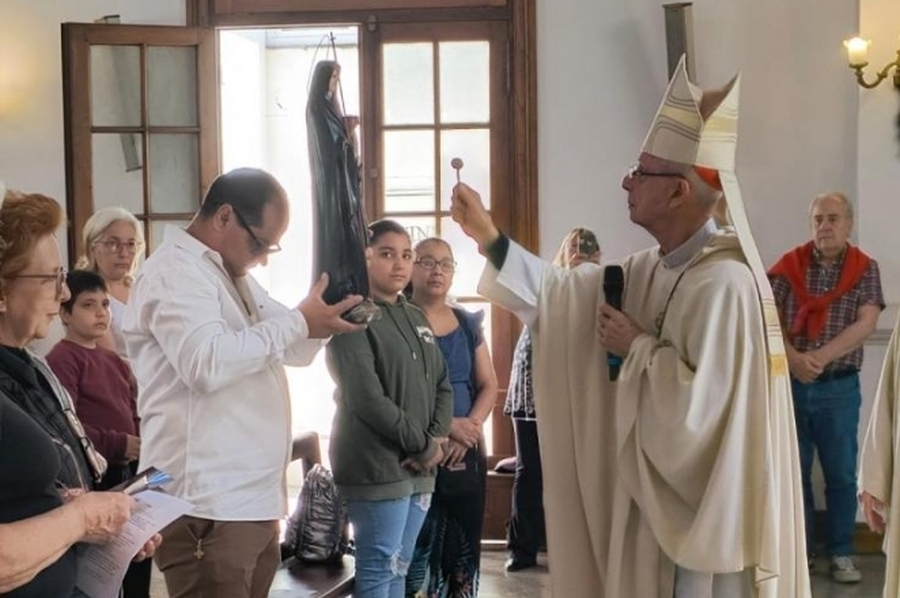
(429, 263)
(116, 245)
(260, 247)
(59, 277)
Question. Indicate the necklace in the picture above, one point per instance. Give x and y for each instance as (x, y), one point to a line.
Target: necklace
(409, 343)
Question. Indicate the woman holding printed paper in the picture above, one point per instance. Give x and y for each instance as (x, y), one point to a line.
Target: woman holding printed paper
(46, 497)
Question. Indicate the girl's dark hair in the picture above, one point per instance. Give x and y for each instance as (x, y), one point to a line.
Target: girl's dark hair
(379, 228)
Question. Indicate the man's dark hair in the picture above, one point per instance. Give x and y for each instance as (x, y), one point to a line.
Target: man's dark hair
(246, 190)
(82, 281)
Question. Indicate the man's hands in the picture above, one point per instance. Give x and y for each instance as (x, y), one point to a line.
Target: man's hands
(325, 320)
(148, 549)
(616, 330)
(873, 509)
(469, 212)
(805, 367)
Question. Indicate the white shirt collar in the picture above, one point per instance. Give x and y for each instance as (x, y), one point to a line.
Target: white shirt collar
(180, 237)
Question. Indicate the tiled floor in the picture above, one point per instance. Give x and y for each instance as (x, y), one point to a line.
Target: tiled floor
(872, 568)
(535, 583)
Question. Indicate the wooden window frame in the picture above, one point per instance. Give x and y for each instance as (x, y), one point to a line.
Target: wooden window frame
(519, 215)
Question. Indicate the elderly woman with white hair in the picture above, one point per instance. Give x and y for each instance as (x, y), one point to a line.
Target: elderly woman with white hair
(113, 242)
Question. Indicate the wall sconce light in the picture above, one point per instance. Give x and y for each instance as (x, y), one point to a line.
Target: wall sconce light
(857, 50)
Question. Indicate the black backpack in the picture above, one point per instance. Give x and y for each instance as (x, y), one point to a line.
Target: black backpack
(317, 531)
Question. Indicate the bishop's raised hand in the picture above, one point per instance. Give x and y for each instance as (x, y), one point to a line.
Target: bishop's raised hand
(469, 212)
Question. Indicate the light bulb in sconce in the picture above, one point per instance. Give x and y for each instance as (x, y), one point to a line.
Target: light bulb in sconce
(857, 51)
(857, 56)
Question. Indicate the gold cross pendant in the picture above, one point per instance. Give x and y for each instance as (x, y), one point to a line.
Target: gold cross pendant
(199, 552)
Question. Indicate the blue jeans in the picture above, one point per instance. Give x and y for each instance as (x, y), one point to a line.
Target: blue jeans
(827, 416)
(385, 533)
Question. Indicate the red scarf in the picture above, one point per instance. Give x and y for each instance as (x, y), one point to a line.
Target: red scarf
(813, 312)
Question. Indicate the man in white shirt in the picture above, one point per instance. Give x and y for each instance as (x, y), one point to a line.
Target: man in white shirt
(208, 347)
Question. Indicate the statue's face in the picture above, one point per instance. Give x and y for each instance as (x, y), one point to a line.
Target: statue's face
(335, 79)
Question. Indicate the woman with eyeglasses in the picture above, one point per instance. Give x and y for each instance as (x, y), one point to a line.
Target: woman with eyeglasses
(448, 552)
(113, 243)
(48, 467)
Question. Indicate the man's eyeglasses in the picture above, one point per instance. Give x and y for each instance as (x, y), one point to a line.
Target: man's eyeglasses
(636, 170)
(429, 263)
(260, 247)
(115, 245)
(59, 277)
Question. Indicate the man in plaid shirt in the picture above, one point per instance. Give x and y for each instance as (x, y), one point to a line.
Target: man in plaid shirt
(829, 298)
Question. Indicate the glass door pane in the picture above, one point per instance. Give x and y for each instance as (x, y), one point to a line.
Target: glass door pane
(473, 147)
(409, 177)
(465, 75)
(117, 174)
(174, 174)
(408, 84)
(115, 83)
(172, 86)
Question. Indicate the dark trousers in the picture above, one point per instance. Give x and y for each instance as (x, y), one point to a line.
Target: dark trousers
(827, 416)
(526, 524)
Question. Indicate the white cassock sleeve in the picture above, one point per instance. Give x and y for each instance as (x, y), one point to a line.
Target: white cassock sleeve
(515, 287)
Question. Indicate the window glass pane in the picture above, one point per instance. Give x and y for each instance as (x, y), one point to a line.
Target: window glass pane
(409, 171)
(172, 86)
(174, 174)
(418, 227)
(157, 231)
(408, 84)
(473, 146)
(115, 86)
(117, 176)
(465, 82)
(469, 263)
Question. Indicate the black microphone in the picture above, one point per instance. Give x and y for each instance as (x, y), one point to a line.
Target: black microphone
(613, 286)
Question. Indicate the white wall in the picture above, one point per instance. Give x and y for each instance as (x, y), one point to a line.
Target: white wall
(31, 114)
(879, 146)
(601, 75)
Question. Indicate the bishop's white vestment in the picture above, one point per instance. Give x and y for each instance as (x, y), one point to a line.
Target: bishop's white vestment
(689, 461)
